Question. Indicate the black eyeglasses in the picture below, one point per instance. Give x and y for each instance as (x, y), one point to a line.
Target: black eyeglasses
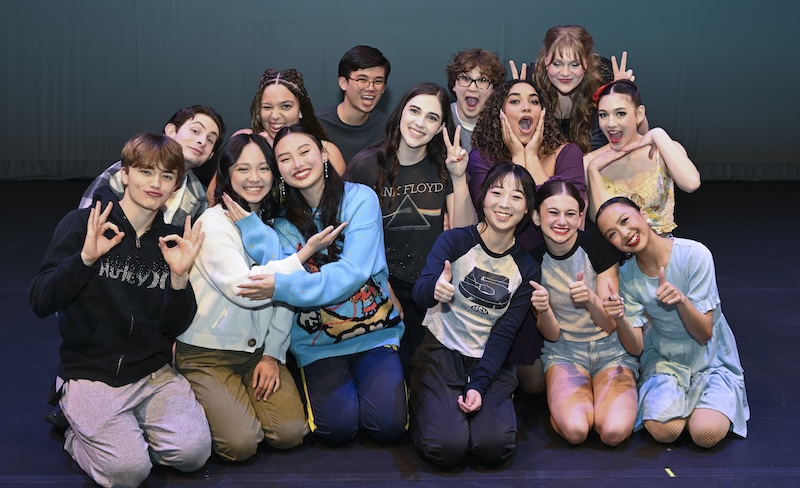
(466, 81)
(363, 83)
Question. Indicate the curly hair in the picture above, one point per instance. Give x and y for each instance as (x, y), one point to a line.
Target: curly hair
(569, 41)
(385, 151)
(488, 135)
(487, 63)
(293, 81)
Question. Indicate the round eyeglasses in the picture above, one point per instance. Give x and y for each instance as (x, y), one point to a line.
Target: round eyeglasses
(466, 81)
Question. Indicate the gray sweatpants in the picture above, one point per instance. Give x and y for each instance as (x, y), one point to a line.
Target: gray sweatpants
(117, 433)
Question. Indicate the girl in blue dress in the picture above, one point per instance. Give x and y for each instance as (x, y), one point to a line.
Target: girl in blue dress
(690, 373)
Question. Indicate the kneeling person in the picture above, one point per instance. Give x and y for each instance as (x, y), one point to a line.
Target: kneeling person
(118, 277)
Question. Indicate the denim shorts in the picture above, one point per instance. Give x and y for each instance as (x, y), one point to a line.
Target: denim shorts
(592, 356)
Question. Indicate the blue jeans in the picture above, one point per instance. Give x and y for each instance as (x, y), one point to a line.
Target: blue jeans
(358, 391)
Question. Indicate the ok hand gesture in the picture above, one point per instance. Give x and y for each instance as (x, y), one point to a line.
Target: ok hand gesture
(181, 255)
(96, 244)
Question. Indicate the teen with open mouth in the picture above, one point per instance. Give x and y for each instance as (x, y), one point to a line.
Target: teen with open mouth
(517, 125)
(644, 168)
(471, 77)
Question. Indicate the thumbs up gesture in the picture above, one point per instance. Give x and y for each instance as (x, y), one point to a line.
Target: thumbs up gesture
(613, 303)
(666, 293)
(444, 289)
(578, 290)
(540, 298)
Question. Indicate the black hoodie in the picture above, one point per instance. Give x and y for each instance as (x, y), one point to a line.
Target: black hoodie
(118, 318)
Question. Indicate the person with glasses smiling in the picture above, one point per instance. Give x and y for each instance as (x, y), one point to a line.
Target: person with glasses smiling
(471, 76)
(354, 123)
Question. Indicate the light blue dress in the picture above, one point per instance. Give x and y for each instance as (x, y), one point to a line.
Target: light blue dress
(677, 374)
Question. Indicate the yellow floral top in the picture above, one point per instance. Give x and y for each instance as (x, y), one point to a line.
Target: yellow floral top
(655, 195)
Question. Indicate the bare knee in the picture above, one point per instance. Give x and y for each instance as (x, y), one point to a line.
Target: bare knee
(573, 432)
(613, 437)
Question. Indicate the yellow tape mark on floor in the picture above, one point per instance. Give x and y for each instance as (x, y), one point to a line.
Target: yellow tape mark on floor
(669, 472)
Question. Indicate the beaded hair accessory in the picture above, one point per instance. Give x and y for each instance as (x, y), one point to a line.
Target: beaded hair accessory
(291, 78)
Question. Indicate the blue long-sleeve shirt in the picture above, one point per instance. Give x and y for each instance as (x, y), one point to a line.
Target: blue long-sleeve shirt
(344, 306)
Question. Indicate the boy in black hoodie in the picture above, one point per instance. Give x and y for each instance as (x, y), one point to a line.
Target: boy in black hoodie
(118, 276)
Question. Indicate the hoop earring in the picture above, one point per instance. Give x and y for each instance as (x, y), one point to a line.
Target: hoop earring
(326, 169)
(283, 189)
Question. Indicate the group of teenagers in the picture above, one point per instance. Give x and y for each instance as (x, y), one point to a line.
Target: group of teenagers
(350, 271)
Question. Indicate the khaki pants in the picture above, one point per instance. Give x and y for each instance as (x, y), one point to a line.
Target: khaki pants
(222, 381)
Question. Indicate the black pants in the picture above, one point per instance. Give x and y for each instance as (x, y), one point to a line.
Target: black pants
(440, 431)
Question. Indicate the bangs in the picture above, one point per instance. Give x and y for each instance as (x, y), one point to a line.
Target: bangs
(567, 48)
(163, 166)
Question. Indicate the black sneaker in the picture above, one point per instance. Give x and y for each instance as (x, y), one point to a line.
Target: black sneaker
(57, 419)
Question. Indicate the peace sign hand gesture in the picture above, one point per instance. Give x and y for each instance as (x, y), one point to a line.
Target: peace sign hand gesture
(457, 157)
(620, 73)
(522, 74)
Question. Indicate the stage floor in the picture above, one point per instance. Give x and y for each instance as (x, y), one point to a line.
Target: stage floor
(748, 228)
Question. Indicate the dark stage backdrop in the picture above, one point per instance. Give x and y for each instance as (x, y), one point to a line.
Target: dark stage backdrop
(78, 78)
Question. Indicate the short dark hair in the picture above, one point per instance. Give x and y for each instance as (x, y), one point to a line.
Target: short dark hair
(363, 57)
(186, 114)
(496, 174)
(156, 151)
